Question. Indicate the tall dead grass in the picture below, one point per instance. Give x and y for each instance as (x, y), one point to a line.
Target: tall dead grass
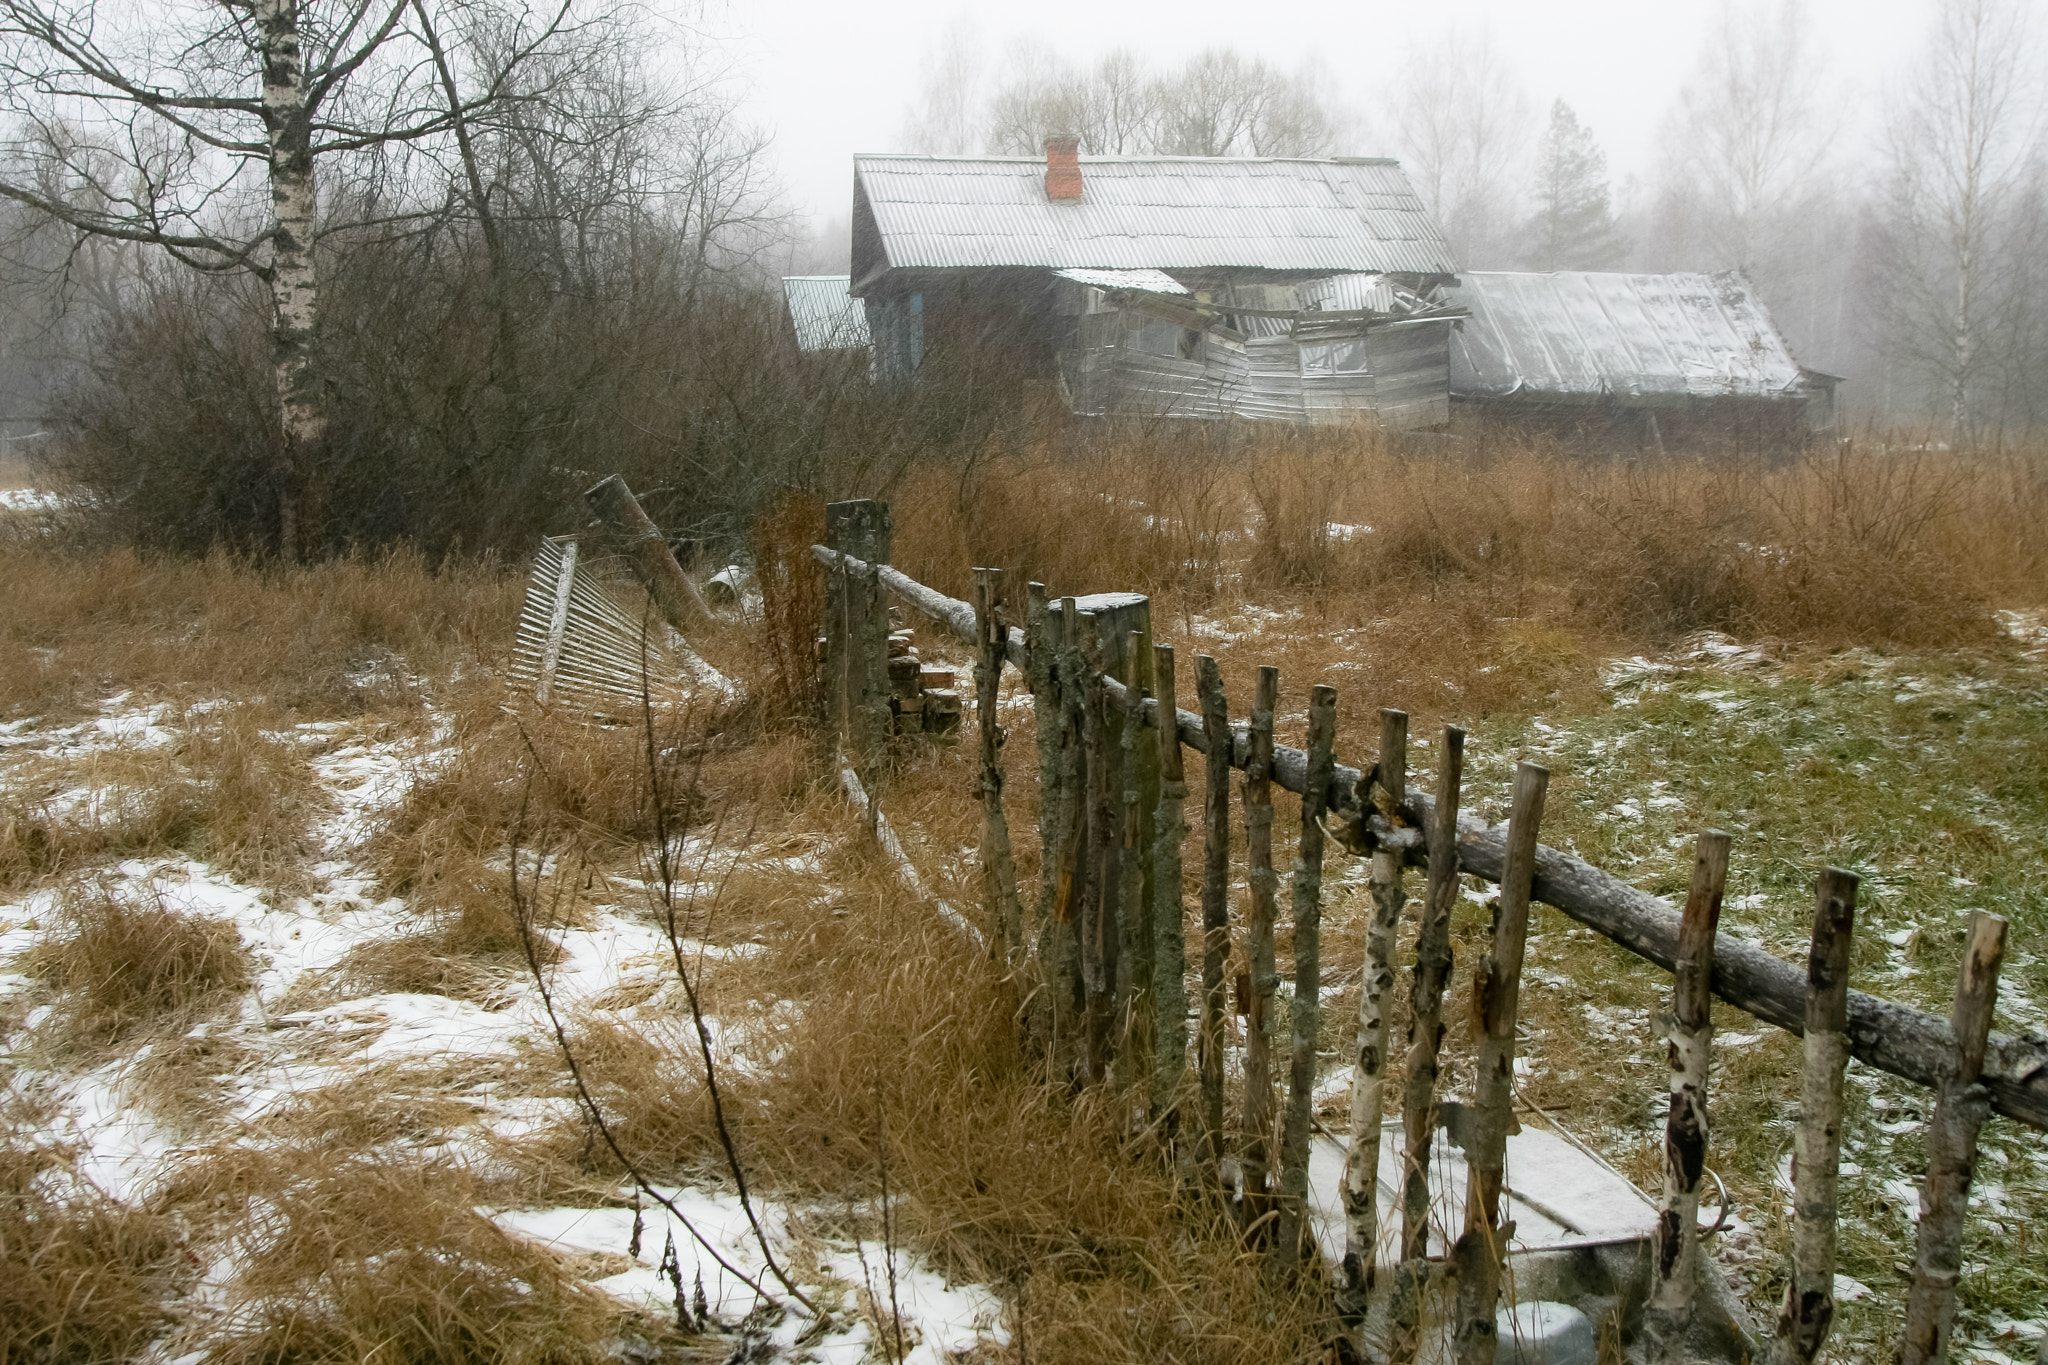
(116, 963)
(1872, 542)
(83, 1278)
(358, 633)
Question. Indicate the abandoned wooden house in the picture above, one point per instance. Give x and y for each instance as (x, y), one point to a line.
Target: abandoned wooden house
(1303, 290)
(1639, 359)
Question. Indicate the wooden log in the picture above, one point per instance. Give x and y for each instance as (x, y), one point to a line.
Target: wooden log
(1817, 1143)
(1215, 899)
(1960, 1108)
(1496, 1000)
(1169, 914)
(1904, 1042)
(1099, 873)
(653, 563)
(1256, 1120)
(1423, 1047)
(1071, 995)
(1308, 981)
(1690, 1038)
(1369, 1062)
(999, 864)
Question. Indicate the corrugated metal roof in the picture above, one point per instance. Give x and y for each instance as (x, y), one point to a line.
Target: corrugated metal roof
(1156, 281)
(827, 318)
(1165, 213)
(1578, 335)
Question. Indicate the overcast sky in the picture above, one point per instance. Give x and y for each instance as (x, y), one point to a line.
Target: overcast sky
(830, 78)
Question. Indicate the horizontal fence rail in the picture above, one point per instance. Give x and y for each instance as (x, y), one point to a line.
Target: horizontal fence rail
(1905, 1042)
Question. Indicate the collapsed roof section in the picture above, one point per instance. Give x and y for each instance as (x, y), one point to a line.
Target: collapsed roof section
(1627, 340)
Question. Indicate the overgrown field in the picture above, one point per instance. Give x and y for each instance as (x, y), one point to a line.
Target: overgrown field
(299, 906)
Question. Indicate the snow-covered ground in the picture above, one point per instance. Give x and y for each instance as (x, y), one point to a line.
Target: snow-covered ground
(282, 1055)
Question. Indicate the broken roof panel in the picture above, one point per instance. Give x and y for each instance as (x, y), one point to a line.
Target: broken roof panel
(827, 318)
(1579, 336)
(1162, 213)
(1153, 281)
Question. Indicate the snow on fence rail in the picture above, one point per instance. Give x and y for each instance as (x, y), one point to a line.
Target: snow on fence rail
(1105, 960)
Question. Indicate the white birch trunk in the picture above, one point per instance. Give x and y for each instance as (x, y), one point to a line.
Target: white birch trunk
(294, 293)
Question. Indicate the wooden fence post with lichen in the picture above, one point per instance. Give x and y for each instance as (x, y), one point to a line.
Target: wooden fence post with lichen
(1135, 1049)
(1169, 914)
(1690, 1032)
(1256, 1120)
(1308, 979)
(1960, 1108)
(1071, 852)
(1496, 1000)
(1215, 899)
(1376, 983)
(999, 865)
(1099, 869)
(1817, 1143)
(1433, 963)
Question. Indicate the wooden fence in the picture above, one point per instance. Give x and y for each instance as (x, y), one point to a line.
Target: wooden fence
(1105, 956)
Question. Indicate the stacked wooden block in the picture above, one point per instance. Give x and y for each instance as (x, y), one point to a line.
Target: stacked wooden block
(922, 700)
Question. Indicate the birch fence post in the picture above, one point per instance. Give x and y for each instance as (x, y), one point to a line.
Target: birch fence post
(1257, 1116)
(1308, 974)
(1169, 914)
(999, 865)
(1215, 899)
(1690, 1034)
(1424, 1044)
(1817, 1143)
(1376, 982)
(1496, 999)
(1960, 1108)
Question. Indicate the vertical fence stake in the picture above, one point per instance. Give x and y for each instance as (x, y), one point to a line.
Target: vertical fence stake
(1376, 981)
(1960, 1108)
(1215, 899)
(1424, 1043)
(1041, 646)
(1308, 973)
(1135, 1047)
(1672, 1263)
(1070, 998)
(1099, 869)
(1257, 1117)
(1817, 1144)
(1169, 914)
(1496, 999)
(999, 865)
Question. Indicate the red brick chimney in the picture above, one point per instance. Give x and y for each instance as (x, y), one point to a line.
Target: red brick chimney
(1063, 168)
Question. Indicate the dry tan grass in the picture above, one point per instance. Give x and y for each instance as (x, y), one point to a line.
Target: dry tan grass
(116, 964)
(82, 1278)
(351, 635)
(232, 793)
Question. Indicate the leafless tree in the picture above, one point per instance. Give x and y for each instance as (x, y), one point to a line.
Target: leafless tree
(1960, 145)
(1221, 104)
(1462, 130)
(947, 118)
(199, 129)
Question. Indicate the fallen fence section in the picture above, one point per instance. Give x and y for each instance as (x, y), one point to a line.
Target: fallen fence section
(1898, 1039)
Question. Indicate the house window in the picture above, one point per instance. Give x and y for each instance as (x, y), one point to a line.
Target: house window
(897, 326)
(1157, 336)
(1334, 357)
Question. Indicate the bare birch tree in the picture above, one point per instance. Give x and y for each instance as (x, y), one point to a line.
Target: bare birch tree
(1960, 144)
(1462, 130)
(198, 129)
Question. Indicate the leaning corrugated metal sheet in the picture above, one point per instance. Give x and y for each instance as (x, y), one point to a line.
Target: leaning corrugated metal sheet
(1577, 336)
(1161, 213)
(827, 318)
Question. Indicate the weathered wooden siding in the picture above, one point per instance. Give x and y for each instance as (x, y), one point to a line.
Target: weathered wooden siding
(1411, 364)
